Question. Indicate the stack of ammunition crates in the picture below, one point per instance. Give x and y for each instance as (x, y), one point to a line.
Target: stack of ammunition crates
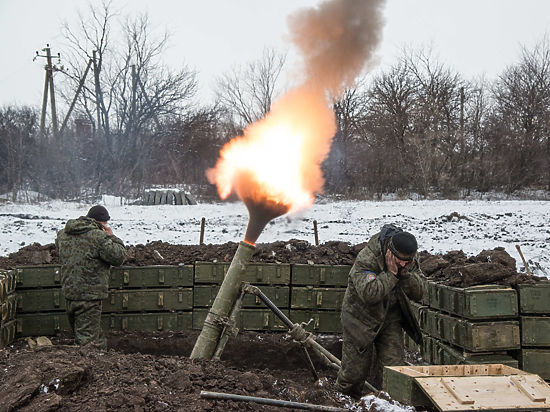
(316, 296)
(272, 278)
(7, 307)
(481, 324)
(534, 308)
(486, 324)
(177, 298)
(149, 298)
(469, 325)
(40, 301)
(140, 298)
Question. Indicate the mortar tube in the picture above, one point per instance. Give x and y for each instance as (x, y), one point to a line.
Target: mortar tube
(217, 317)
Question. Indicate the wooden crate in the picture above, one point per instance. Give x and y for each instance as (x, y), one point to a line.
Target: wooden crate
(467, 387)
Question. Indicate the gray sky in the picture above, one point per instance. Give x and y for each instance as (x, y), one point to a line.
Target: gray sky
(475, 37)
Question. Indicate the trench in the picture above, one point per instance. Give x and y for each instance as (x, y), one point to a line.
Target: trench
(273, 351)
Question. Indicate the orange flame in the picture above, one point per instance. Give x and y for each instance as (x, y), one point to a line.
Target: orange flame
(278, 159)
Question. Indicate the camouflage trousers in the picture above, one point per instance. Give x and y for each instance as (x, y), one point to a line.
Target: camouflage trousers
(85, 320)
(356, 362)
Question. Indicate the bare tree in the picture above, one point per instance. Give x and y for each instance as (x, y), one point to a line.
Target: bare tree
(436, 127)
(131, 93)
(342, 169)
(522, 113)
(249, 91)
(390, 118)
(17, 131)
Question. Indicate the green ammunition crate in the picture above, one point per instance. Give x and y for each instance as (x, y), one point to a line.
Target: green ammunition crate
(256, 273)
(7, 333)
(7, 283)
(3, 285)
(403, 384)
(425, 284)
(320, 275)
(42, 324)
(318, 321)
(410, 344)
(151, 276)
(534, 298)
(428, 349)
(151, 322)
(535, 331)
(248, 319)
(447, 355)
(431, 324)
(204, 295)
(403, 388)
(44, 276)
(12, 281)
(418, 310)
(536, 361)
(146, 300)
(310, 297)
(40, 300)
(479, 336)
(476, 302)
(8, 309)
(49, 324)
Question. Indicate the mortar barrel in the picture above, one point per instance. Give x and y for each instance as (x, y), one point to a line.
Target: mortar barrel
(208, 339)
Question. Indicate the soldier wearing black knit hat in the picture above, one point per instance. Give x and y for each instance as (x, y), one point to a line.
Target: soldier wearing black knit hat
(376, 306)
(87, 248)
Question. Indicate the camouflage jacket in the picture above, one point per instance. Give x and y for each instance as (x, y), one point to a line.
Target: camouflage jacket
(86, 253)
(375, 295)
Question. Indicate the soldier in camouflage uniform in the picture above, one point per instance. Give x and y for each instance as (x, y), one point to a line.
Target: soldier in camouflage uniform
(87, 249)
(376, 306)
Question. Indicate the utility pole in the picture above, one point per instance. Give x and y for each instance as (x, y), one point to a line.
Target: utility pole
(462, 138)
(48, 84)
(80, 85)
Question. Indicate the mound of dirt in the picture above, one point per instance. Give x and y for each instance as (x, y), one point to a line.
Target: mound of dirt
(453, 268)
(162, 253)
(152, 372)
(489, 266)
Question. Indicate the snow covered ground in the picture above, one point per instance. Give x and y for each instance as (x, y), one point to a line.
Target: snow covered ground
(440, 225)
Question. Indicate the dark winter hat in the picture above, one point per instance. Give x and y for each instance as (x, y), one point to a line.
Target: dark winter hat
(98, 213)
(403, 245)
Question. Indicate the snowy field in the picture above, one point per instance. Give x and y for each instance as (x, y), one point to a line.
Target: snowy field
(440, 225)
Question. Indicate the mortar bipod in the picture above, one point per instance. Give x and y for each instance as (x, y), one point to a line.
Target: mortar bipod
(300, 335)
(229, 326)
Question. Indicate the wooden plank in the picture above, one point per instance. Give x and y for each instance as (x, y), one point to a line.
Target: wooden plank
(461, 398)
(414, 372)
(486, 392)
(530, 391)
(459, 370)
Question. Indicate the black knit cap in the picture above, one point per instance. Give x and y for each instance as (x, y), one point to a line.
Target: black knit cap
(403, 245)
(98, 213)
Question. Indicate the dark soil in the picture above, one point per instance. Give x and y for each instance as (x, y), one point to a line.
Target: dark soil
(490, 266)
(453, 268)
(152, 372)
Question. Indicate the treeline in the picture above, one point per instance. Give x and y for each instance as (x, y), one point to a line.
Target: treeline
(416, 127)
(421, 126)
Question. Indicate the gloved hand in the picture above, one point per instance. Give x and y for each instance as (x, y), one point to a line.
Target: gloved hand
(403, 272)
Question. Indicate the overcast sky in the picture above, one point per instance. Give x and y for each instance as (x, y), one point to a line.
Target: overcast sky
(475, 37)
